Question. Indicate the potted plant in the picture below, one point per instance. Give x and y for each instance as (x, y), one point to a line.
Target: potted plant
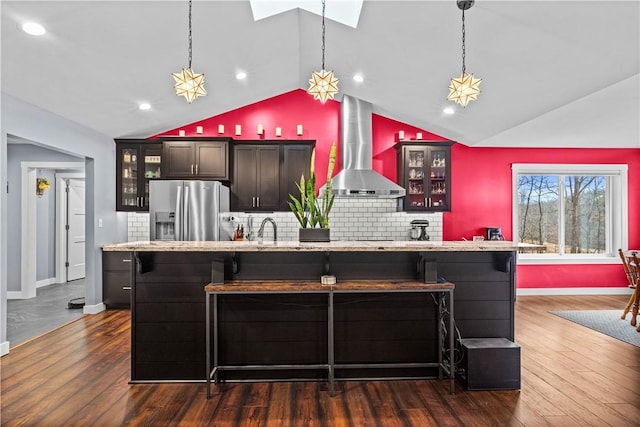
(311, 211)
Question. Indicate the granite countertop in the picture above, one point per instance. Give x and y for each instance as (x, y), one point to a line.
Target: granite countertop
(295, 246)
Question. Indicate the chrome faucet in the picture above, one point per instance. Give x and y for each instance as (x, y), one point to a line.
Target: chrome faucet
(275, 228)
(249, 228)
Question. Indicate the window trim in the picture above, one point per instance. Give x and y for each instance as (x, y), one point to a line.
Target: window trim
(617, 220)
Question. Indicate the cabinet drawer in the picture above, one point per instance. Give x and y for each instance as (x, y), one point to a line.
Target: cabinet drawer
(116, 289)
(116, 261)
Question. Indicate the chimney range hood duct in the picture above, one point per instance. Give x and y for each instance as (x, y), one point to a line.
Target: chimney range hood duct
(357, 177)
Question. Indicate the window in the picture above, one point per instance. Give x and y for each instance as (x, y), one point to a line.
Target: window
(569, 213)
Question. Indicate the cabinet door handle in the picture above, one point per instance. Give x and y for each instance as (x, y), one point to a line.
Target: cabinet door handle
(258, 201)
(138, 201)
(126, 260)
(196, 169)
(191, 169)
(126, 288)
(253, 202)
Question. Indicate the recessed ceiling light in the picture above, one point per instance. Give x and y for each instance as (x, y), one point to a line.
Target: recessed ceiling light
(448, 110)
(358, 78)
(33, 28)
(241, 75)
(144, 106)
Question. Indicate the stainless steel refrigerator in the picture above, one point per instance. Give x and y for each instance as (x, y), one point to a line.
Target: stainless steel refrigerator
(189, 210)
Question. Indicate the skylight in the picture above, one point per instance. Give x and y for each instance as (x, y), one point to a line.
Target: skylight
(346, 12)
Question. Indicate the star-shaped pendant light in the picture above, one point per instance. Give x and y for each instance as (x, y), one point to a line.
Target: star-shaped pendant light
(466, 87)
(188, 83)
(323, 84)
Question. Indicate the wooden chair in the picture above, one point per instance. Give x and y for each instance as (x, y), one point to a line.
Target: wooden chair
(636, 265)
(631, 266)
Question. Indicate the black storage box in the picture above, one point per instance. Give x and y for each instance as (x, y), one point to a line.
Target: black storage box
(430, 271)
(217, 271)
(490, 364)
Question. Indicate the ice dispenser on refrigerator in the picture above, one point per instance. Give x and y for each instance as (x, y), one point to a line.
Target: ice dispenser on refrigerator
(165, 226)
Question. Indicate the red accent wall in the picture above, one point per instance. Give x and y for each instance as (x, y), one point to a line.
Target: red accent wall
(481, 197)
(481, 177)
(320, 122)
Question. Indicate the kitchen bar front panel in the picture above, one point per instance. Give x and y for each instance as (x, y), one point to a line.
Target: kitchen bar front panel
(168, 312)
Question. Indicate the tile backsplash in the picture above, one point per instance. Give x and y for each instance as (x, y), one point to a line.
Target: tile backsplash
(350, 219)
(137, 226)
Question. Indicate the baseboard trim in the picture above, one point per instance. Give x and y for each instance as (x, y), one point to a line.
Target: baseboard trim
(94, 309)
(4, 348)
(15, 295)
(45, 282)
(573, 291)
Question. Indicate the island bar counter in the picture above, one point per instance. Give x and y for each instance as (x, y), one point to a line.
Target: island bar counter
(168, 305)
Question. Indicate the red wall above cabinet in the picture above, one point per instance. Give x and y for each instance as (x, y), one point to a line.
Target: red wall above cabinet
(319, 121)
(286, 111)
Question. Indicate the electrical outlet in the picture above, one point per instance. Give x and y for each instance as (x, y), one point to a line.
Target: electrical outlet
(99, 222)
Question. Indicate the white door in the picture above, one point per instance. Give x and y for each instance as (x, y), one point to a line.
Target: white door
(75, 229)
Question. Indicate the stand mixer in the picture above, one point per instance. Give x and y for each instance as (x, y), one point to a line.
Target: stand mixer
(418, 229)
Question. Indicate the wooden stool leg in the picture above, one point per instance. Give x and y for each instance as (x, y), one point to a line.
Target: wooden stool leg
(632, 276)
(632, 298)
(635, 270)
(634, 310)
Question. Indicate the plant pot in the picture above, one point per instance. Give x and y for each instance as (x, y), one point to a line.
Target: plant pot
(314, 235)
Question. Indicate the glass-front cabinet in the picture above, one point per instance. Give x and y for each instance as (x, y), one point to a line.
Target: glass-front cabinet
(424, 170)
(137, 161)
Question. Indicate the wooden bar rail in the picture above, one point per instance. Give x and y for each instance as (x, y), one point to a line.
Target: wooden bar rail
(351, 286)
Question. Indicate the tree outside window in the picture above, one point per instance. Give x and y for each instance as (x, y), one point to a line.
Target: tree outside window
(567, 214)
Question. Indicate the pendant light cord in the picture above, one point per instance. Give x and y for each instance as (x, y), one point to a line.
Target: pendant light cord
(323, 30)
(190, 39)
(463, 47)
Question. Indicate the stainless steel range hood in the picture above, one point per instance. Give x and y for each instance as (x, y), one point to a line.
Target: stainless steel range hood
(357, 177)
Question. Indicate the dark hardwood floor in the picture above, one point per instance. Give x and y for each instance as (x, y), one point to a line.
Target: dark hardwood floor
(77, 375)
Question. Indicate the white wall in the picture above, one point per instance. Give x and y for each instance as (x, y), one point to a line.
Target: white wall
(29, 122)
(4, 344)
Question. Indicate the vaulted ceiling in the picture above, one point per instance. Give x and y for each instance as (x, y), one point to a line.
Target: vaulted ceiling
(555, 73)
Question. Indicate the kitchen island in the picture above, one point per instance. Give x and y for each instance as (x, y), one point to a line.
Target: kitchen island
(168, 305)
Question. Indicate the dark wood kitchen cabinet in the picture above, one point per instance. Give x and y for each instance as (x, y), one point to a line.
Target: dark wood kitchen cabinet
(116, 279)
(295, 163)
(196, 158)
(137, 161)
(265, 173)
(424, 170)
(256, 182)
